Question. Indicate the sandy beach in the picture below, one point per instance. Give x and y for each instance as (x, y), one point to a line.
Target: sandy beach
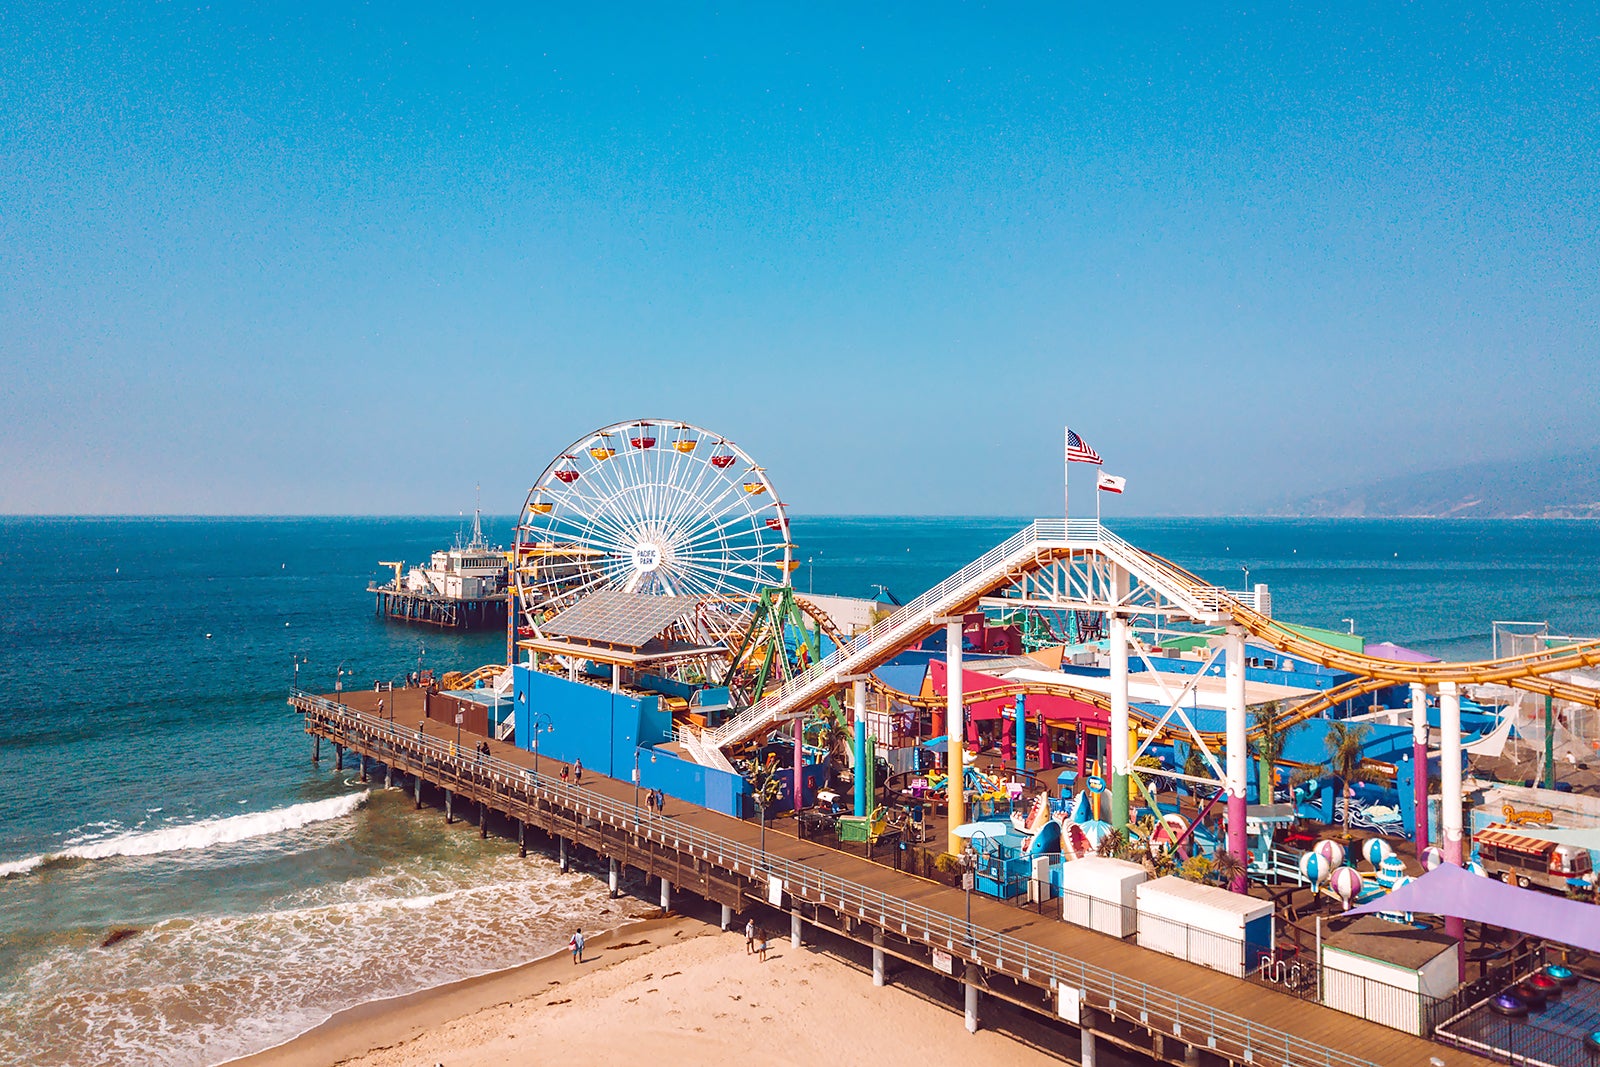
(676, 989)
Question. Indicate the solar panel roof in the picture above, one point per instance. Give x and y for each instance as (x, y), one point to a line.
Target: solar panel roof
(617, 617)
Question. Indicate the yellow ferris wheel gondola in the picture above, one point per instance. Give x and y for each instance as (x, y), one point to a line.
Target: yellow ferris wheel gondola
(541, 507)
(684, 440)
(602, 449)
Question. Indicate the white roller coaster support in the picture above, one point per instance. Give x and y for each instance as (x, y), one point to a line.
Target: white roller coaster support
(956, 737)
(1238, 754)
(1450, 794)
(1121, 763)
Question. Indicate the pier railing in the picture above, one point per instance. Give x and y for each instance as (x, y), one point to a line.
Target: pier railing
(1189, 1020)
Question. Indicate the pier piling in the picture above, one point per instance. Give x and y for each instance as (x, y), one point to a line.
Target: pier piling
(388, 776)
(363, 779)
(794, 929)
(416, 783)
(563, 858)
(316, 748)
(338, 757)
(483, 822)
(727, 916)
(1086, 1038)
(666, 895)
(449, 807)
(614, 879)
(877, 958)
(522, 839)
(972, 998)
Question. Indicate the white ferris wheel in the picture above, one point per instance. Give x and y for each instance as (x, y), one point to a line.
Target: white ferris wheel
(649, 506)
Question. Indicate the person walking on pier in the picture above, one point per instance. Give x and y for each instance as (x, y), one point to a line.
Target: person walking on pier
(577, 771)
(565, 771)
(576, 945)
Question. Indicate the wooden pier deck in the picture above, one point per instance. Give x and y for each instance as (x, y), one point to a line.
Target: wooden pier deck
(1140, 999)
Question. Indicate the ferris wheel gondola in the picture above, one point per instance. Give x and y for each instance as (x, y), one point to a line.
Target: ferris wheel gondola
(649, 506)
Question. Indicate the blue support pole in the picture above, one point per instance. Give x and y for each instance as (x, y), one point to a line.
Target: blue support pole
(861, 767)
(1022, 734)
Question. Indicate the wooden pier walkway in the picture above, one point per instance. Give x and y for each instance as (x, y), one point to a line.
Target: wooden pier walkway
(1160, 1006)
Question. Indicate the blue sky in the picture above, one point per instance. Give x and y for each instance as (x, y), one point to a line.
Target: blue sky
(357, 259)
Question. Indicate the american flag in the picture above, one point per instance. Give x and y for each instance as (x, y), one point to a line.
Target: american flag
(1078, 451)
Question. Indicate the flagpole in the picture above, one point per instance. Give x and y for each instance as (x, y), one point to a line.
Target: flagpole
(1066, 476)
(1097, 503)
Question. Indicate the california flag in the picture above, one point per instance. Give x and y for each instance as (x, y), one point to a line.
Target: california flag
(1110, 483)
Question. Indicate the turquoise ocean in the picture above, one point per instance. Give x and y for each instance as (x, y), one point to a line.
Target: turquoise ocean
(154, 779)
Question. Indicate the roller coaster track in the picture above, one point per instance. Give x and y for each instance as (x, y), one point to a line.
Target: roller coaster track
(457, 681)
(1047, 541)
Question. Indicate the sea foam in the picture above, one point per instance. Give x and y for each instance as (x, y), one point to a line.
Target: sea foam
(196, 835)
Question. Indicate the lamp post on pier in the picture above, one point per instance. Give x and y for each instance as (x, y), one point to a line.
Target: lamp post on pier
(536, 730)
(338, 682)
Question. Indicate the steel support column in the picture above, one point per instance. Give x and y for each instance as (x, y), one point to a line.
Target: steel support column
(1450, 794)
(858, 704)
(1119, 756)
(1238, 751)
(955, 737)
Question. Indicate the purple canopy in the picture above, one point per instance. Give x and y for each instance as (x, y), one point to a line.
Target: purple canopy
(1400, 654)
(1449, 890)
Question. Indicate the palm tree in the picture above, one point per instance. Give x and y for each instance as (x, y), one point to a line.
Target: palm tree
(1345, 745)
(1268, 747)
(1228, 870)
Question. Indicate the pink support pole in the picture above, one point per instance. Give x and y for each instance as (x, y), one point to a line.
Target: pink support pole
(799, 765)
(1005, 739)
(1044, 744)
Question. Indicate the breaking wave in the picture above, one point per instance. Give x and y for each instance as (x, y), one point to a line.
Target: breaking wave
(196, 835)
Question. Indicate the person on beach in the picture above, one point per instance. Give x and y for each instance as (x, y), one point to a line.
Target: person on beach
(749, 936)
(761, 937)
(577, 771)
(576, 945)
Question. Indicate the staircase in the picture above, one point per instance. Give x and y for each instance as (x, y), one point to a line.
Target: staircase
(883, 640)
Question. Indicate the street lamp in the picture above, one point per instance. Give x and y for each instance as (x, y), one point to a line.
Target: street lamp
(636, 787)
(536, 730)
(1352, 623)
(338, 682)
(969, 856)
(1246, 569)
(299, 658)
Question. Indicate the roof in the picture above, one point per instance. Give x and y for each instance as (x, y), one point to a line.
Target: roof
(1584, 837)
(1449, 890)
(1399, 653)
(1337, 638)
(1496, 834)
(618, 617)
(1213, 897)
(1401, 944)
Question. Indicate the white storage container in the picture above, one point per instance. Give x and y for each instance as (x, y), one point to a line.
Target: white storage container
(1388, 973)
(1099, 893)
(1203, 924)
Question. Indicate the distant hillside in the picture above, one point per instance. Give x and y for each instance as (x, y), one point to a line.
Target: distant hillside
(1558, 487)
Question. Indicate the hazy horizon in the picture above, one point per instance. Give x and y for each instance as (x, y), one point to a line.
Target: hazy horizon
(353, 261)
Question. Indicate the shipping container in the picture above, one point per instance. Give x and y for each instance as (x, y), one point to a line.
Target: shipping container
(1100, 893)
(1388, 973)
(1205, 925)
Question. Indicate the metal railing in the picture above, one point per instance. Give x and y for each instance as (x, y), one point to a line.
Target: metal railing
(975, 578)
(1112, 992)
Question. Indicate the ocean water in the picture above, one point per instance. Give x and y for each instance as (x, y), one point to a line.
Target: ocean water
(155, 780)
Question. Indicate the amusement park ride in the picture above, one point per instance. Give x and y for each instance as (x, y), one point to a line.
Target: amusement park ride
(659, 507)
